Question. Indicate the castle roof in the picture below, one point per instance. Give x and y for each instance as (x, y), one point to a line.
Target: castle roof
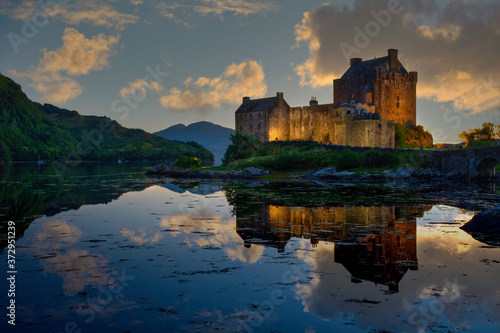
(262, 104)
(371, 65)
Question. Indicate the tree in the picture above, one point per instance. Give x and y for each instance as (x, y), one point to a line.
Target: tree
(481, 136)
(242, 146)
(412, 136)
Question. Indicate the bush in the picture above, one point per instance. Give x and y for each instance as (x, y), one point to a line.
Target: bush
(188, 162)
(348, 159)
(376, 158)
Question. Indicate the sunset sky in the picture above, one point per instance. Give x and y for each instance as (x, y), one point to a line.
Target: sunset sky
(153, 64)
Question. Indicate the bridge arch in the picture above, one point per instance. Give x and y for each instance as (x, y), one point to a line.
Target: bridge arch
(486, 168)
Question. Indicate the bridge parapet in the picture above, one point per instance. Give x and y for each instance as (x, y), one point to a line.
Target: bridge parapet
(470, 162)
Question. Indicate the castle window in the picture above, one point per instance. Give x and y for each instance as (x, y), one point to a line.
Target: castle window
(260, 116)
(241, 117)
(259, 125)
(397, 103)
(241, 128)
(251, 116)
(251, 128)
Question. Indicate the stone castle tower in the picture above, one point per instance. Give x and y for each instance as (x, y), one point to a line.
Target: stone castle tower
(383, 83)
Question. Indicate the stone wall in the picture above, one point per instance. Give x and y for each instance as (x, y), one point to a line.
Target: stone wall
(279, 120)
(253, 123)
(395, 97)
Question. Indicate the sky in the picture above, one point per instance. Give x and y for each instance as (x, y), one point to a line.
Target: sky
(153, 64)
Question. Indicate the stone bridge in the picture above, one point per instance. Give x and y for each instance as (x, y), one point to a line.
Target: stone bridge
(470, 162)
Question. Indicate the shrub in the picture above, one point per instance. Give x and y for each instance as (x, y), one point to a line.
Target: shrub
(188, 162)
(348, 159)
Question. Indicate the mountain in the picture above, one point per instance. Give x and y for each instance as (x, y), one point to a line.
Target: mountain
(29, 129)
(214, 137)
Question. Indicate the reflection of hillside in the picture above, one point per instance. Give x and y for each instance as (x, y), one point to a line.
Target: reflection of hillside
(24, 201)
(373, 243)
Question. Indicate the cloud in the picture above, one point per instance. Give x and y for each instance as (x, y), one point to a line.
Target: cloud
(452, 45)
(237, 7)
(215, 8)
(93, 12)
(77, 56)
(244, 79)
(140, 87)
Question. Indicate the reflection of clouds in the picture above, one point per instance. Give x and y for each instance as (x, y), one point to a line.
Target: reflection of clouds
(204, 229)
(56, 235)
(453, 244)
(140, 236)
(78, 268)
(459, 282)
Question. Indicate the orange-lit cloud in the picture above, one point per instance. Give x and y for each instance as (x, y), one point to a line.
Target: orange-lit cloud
(451, 45)
(140, 88)
(238, 7)
(244, 79)
(53, 77)
(93, 12)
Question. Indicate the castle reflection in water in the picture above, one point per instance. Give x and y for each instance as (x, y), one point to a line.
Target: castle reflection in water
(377, 244)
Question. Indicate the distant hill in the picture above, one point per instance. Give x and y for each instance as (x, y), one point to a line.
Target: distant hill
(29, 129)
(214, 137)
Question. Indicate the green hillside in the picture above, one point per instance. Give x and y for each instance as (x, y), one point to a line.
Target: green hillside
(28, 129)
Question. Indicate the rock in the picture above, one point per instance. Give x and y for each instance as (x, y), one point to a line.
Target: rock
(254, 172)
(158, 169)
(454, 175)
(323, 173)
(427, 173)
(485, 226)
(400, 173)
(487, 221)
(373, 177)
(344, 175)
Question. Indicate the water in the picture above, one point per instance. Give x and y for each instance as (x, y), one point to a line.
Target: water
(104, 249)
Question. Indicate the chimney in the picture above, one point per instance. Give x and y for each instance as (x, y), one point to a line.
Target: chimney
(313, 101)
(246, 103)
(279, 95)
(355, 61)
(393, 57)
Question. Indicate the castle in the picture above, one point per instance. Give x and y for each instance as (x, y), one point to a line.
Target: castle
(368, 99)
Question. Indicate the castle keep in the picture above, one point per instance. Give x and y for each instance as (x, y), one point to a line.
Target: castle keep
(368, 99)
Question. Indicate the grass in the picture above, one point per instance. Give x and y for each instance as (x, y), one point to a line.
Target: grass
(289, 158)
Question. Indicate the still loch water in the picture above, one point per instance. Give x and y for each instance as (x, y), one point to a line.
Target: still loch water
(101, 248)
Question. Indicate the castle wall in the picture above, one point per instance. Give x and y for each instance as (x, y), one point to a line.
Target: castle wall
(253, 123)
(370, 133)
(279, 121)
(394, 95)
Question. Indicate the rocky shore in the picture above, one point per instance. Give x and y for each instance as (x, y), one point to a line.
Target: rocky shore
(163, 171)
(326, 174)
